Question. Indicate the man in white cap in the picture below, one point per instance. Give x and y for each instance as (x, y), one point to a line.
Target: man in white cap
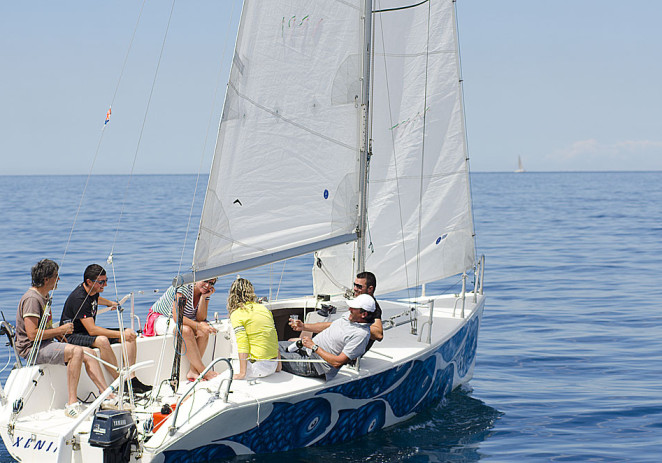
(336, 343)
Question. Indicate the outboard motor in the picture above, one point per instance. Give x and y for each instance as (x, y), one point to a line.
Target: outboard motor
(114, 431)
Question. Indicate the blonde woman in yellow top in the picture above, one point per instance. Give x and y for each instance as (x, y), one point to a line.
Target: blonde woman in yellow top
(253, 324)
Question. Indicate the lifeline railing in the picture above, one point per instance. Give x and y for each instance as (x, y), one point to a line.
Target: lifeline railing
(479, 269)
(173, 428)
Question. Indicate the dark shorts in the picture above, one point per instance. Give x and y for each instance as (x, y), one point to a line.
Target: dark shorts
(86, 340)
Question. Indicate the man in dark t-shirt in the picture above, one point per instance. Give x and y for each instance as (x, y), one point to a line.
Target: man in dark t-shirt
(365, 283)
(81, 307)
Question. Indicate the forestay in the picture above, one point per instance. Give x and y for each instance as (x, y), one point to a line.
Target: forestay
(419, 207)
(284, 176)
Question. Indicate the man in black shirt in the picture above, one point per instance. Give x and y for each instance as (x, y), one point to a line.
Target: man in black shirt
(365, 283)
(81, 308)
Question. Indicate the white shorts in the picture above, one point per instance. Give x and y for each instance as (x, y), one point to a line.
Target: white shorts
(161, 323)
(261, 368)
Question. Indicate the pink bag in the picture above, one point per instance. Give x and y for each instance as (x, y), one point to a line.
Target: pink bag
(148, 330)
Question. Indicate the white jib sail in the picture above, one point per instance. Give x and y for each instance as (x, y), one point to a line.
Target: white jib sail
(284, 174)
(419, 207)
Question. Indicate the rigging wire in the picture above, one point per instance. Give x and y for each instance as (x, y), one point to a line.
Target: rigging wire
(124, 356)
(87, 181)
(36, 344)
(103, 129)
(280, 282)
(177, 332)
(420, 191)
(464, 125)
(204, 146)
(140, 136)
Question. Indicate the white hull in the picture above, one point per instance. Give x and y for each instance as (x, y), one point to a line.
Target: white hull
(396, 379)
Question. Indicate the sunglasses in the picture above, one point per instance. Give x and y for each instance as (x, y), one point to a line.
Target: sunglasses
(358, 286)
(102, 282)
(210, 283)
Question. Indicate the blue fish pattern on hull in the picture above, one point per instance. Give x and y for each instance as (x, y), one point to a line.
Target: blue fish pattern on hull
(355, 423)
(407, 388)
(289, 426)
(451, 347)
(367, 389)
(419, 380)
(463, 362)
(442, 385)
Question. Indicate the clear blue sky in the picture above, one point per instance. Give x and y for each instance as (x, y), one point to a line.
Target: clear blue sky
(566, 85)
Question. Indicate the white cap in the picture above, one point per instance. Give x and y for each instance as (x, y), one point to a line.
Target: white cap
(363, 301)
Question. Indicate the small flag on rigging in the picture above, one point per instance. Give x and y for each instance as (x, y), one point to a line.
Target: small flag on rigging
(107, 116)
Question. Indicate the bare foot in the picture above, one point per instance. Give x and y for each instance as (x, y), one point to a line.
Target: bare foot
(210, 374)
(192, 375)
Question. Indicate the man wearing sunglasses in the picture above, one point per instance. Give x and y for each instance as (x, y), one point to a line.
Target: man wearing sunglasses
(81, 308)
(365, 283)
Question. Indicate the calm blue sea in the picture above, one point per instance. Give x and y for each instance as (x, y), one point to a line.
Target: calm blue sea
(569, 364)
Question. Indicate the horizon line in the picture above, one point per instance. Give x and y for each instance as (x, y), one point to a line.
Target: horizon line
(471, 172)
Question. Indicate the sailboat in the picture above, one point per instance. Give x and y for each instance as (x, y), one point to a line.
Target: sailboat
(520, 166)
(342, 136)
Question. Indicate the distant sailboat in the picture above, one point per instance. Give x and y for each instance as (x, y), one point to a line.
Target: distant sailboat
(520, 166)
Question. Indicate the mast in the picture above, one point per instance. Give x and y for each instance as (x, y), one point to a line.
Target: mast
(364, 155)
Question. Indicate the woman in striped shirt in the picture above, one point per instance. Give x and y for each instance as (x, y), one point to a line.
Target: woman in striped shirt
(195, 330)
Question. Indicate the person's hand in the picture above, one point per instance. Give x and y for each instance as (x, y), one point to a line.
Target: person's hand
(206, 328)
(307, 342)
(208, 291)
(66, 328)
(130, 335)
(296, 325)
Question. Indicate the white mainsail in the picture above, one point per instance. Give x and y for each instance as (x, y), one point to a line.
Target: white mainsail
(285, 173)
(419, 208)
